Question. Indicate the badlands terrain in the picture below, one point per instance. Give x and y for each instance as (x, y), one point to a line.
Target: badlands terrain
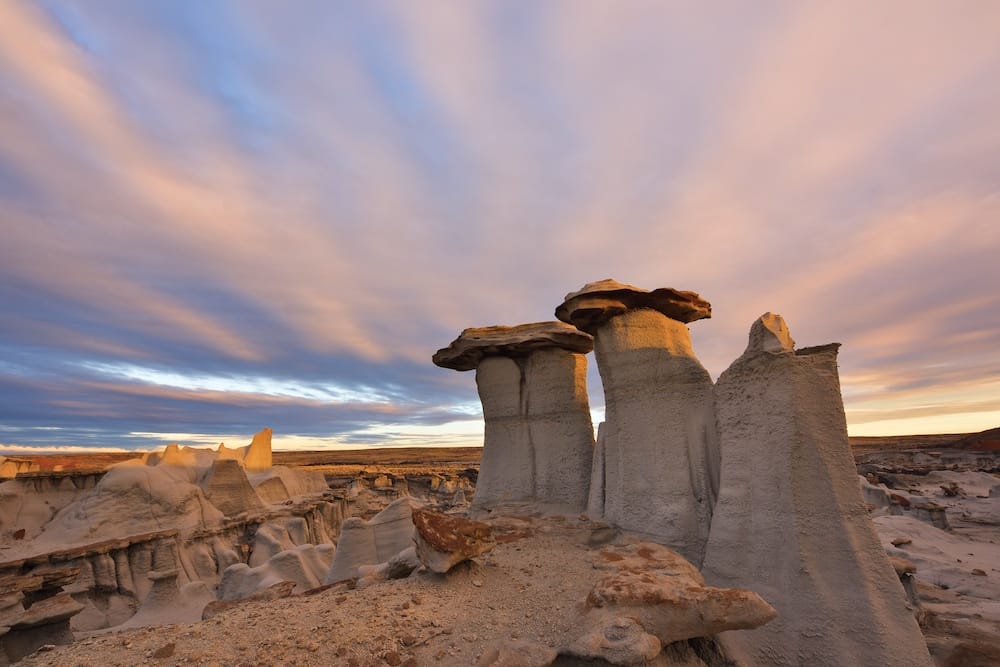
(527, 595)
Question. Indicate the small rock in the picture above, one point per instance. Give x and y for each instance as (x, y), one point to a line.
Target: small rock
(978, 572)
(164, 651)
(518, 654)
(392, 658)
(900, 541)
(477, 583)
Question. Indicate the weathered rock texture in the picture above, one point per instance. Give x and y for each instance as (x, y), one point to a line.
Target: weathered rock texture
(227, 487)
(539, 439)
(443, 541)
(790, 522)
(258, 452)
(660, 456)
(372, 542)
(667, 596)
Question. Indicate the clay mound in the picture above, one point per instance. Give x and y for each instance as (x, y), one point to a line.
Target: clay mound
(466, 351)
(280, 483)
(595, 303)
(227, 488)
(134, 499)
(987, 441)
(371, 542)
(304, 566)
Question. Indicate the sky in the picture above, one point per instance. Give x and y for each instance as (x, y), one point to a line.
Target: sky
(220, 216)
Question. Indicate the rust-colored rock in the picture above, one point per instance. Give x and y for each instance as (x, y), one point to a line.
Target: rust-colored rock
(597, 302)
(466, 351)
(444, 541)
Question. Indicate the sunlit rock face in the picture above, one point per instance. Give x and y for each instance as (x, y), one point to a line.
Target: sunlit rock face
(790, 522)
(660, 467)
(532, 382)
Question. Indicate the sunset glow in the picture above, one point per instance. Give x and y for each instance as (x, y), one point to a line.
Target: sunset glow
(216, 217)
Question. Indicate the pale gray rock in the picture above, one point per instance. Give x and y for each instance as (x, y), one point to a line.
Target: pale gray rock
(660, 452)
(372, 542)
(539, 439)
(790, 522)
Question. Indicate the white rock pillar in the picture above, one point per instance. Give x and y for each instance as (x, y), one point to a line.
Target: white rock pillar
(660, 451)
(790, 522)
(532, 382)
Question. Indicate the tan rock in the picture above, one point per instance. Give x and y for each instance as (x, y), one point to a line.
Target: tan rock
(667, 595)
(518, 654)
(226, 486)
(790, 522)
(660, 456)
(444, 541)
(49, 611)
(596, 303)
(620, 640)
(258, 452)
(532, 381)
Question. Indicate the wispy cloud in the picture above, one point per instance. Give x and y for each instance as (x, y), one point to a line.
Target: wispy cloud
(287, 212)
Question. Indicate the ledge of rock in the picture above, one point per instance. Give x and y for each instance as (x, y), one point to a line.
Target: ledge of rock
(668, 596)
(466, 351)
(597, 302)
(443, 541)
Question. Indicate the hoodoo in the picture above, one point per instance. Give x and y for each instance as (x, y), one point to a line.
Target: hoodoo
(532, 381)
(790, 523)
(659, 472)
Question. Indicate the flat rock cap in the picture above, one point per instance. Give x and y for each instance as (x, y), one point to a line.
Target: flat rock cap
(466, 351)
(598, 302)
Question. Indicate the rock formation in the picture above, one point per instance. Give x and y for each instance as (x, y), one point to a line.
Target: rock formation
(790, 522)
(228, 488)
(660, 455)
(372, 542)
(258, 452)
(539, 438)
(668, 597)
(443, 541)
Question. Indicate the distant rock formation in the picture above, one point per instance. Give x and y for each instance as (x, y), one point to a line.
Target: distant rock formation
(790, 522)
(228, 488)
(258, 452)
(660, 454)
(539, 438)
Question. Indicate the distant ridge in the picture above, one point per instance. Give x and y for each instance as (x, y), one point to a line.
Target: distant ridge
(986, 441)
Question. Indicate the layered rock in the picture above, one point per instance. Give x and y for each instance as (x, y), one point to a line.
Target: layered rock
(660, 455)
(257, 454)
(539, 438)
(228, 488)
(790, 522)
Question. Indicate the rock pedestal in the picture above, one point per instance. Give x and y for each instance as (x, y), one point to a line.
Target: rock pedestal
(660, 467)
(790, 522)
(532, 382)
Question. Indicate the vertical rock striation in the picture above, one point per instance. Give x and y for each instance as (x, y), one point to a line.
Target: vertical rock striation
(532, 382)
(790, 523)
(660, 456)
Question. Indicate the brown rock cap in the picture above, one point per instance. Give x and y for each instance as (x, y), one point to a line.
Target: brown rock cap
(596, 303)
(466, 351)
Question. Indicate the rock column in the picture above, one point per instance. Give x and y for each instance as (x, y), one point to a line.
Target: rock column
(790, 522)
(532, 382)
(660, 454)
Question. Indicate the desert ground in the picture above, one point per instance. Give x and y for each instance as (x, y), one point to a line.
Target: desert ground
(935, 502)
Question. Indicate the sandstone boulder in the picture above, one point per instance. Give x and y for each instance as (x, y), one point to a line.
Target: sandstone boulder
(539, 437)
(790, 522)
(667, 595)
(443, 541)
(372, 542)
(620, 640)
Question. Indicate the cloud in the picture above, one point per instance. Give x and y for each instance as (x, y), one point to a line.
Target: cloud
(250, 200)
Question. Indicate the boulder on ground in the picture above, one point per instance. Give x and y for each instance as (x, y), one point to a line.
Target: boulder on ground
(443, 541)
(667, 595)
(620, 640)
